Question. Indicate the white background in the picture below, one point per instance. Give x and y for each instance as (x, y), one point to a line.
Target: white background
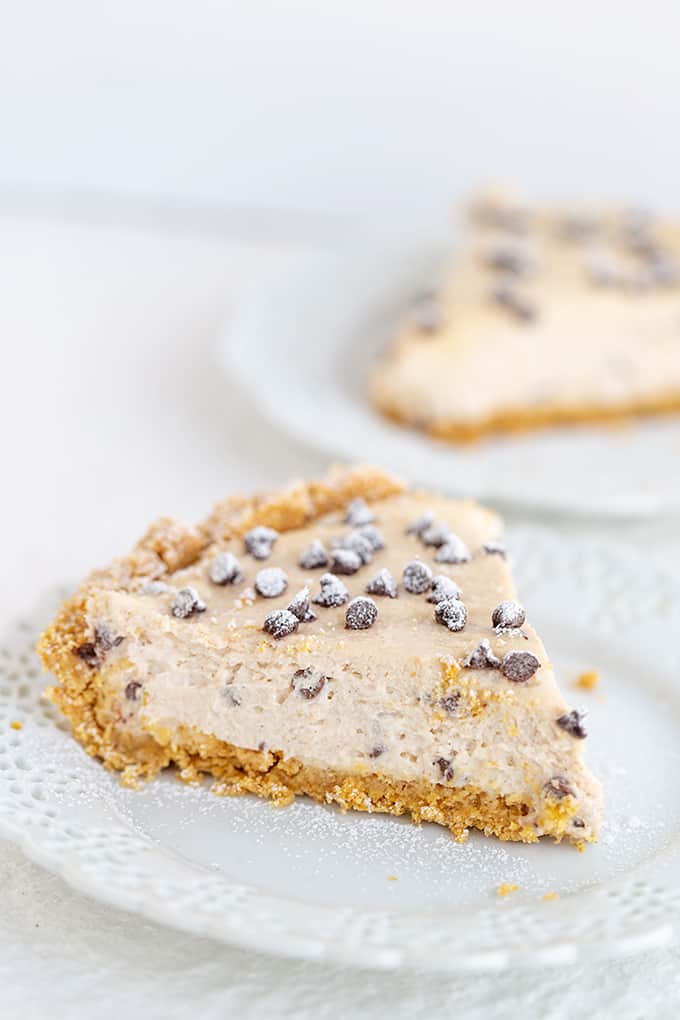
(364, 107)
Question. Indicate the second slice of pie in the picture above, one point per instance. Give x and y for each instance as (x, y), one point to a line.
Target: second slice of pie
(345, 639)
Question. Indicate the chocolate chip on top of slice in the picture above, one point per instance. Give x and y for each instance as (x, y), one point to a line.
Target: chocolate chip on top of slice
(383, 584)
(494, 548)
(314, 556)
(308, 683)
(259, 541)
(356, 542)
(482, 657)
(511, 254)
(426, 312)
(346, 561)
(358, 513)
(518, 667)
(572, 723)
(443, 587)
(333, 592)
(225, 569)
(505, 294)
(186, 603)
(417, 577)
(435, 535)
(421, 524)
(373, 536)
(508, 615)
(454, 550)
(281, 623)
(451, 613)
(361, 613)
(270, 582)
(300, 607)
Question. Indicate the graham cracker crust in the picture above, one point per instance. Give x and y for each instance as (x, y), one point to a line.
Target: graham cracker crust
(268, 774)
(528, 419)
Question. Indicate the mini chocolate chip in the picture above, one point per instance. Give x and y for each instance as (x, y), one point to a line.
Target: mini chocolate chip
(443, 587)
(376, 751)
(186, 602)
(155, 588)
(232, 695)
(259, 541)
(361, 613)
(572, 723)
(577, 226)
(417, 577)
(445, 766)
(663, 268)
(505, 294)
(333, 592)
(435, 535)
(132, 690)
(559, 787)
(482, 657)
(281, 623)
(345, 561)
(511, 254)
(225, 569)
(451, 613)
(308, 683)
(358, 513)
(519, 666)
(88, 653)
(450, 702)
(421, 524)
(494, 549)
(270, 582)
(383, 584)
(300, 606)
(373, 536)
(578, 823)
(314, 556)
(603, 267)
(357, 543)
(105, 639)
(454, 550)
(426, 312)
(508, 615)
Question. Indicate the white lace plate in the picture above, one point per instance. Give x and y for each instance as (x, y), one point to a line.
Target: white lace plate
(302, 347)
(371, 890)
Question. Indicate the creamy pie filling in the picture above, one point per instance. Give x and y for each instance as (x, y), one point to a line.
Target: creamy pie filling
(396, 698)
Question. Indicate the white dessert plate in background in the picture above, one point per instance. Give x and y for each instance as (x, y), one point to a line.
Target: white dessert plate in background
(302, 346)
(310, 882)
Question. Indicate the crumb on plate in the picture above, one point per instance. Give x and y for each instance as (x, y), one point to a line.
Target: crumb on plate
(588, 681)
(505, 888)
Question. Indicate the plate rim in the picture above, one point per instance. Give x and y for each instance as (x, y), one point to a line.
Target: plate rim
(237, 337)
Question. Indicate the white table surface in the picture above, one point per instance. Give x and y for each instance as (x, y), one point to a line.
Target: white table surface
(112, 411)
